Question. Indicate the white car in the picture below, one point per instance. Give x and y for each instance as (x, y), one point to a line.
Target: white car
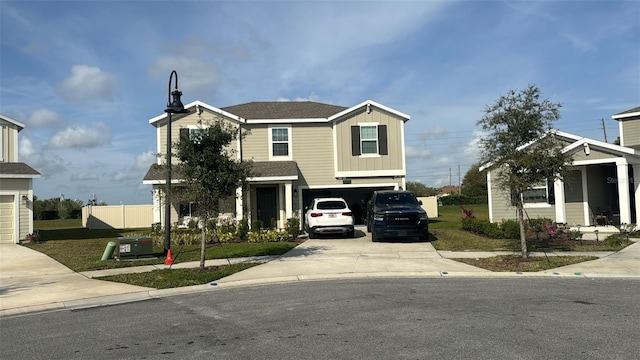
(328, 216)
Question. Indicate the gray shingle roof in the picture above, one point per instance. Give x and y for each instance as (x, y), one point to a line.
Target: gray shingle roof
(284, 110)
(261, 168)
(17, 168)
(630, 111)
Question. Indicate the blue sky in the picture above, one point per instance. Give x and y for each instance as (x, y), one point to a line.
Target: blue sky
(86, 76)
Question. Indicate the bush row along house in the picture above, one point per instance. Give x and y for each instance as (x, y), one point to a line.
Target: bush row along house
(300, 150)
(602, 186)
(16, 185)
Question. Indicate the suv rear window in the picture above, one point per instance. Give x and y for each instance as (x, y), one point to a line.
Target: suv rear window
(331, 205)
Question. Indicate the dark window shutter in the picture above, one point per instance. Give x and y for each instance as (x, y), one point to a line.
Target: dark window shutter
(355, 140)
(382, 140)
(184, 134)
(551, 192)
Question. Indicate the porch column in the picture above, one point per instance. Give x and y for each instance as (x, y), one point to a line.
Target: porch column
(585, 196)
(489, 196)
(558, 189)
(636, 189)
(623, 191)
(239, 208)
(288, 202)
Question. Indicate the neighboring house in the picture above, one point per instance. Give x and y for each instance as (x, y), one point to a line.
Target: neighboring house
(599, 188)
(16, 186)
(300, 150)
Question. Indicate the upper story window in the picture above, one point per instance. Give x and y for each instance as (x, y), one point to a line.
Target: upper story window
(369, 139)
(280, 143)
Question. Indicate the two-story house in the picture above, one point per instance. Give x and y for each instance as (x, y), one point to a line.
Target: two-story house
(16, 185)
(300, 150)
(601, 188)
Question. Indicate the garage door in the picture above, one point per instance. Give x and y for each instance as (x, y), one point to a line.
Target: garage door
(6, 219)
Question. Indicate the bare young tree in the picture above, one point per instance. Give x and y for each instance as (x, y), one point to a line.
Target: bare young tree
(521, 146)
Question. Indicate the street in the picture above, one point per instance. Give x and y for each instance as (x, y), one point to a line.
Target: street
(445, 318)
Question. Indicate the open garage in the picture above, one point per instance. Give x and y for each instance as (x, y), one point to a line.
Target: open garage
(356, 197)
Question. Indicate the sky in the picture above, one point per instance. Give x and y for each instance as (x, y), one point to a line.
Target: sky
(85, 77)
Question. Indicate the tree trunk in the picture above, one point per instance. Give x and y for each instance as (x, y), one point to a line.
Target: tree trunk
(203, 243)
(523, 234)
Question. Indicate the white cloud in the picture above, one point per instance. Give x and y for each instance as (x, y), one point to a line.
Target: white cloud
(81, 176)
(435, 132)
(412, 152)
(88, 83)
(46, 163)
(121, 176)
(44, 117)
(80, 137)
(144, 160)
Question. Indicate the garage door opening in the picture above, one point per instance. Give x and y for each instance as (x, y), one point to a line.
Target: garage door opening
(356, 198)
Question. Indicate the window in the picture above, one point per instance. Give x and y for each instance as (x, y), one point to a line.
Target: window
(280, 142)
(541, 193)
(369, 139)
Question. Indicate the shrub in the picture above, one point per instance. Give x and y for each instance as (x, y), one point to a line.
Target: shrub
(483, 227)
(293, 227)
(224, 236)
(467, 213)
(243, 229)
(256, 225)
(510, 229)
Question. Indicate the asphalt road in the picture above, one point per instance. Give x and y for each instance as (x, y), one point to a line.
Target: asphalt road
(444, 318)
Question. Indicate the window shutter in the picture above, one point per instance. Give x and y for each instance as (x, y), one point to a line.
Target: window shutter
(355, 140)
(551, 192)
(184, 134)
(382, 140)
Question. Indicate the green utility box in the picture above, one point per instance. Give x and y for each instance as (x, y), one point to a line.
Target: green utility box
(135, 247)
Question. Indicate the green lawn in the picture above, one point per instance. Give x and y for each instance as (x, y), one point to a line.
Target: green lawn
(81, 249)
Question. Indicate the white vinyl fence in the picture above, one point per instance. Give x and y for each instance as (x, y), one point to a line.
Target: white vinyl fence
(117, 216)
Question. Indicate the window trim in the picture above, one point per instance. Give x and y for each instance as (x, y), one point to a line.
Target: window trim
(289, 155)
(375, 138)
(538, 204)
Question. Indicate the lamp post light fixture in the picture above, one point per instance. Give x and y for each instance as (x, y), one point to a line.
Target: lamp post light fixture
(173, 107)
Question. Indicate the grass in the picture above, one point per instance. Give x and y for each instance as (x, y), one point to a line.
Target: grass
(513, 263)
(447, 234)
(81, 249)
(170, 278)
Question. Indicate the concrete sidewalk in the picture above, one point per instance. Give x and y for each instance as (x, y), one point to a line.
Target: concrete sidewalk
(32, 282)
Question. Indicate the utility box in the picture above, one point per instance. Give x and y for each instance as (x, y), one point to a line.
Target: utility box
(135, 247)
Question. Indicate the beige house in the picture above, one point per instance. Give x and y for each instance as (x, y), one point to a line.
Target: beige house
(300, 150)
(601, 188)
(16, 185)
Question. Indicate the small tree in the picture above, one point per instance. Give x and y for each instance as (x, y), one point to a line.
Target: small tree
(208, 170)
(420, 189)
(474, 183)
(521, 145)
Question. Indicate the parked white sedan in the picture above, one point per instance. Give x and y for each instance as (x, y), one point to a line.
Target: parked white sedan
(328, 216)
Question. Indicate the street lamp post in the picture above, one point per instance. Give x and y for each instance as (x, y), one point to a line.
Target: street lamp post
(173, 107)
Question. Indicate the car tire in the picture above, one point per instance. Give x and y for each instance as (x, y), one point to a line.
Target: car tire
(374, 237)
(368, 227)
(312, 235)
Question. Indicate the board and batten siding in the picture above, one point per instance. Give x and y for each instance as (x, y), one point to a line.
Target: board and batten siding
(189, 121)
(8, 142)
(593, 155)
(348, 162)
(631, 132)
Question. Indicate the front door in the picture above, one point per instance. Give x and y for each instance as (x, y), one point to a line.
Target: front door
(267, 204)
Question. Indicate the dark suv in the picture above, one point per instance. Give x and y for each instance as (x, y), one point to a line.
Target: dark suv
(393, 213)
